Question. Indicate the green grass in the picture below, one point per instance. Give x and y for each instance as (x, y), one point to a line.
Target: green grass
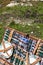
(36, 28)
(2, 30)
(20, 11)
